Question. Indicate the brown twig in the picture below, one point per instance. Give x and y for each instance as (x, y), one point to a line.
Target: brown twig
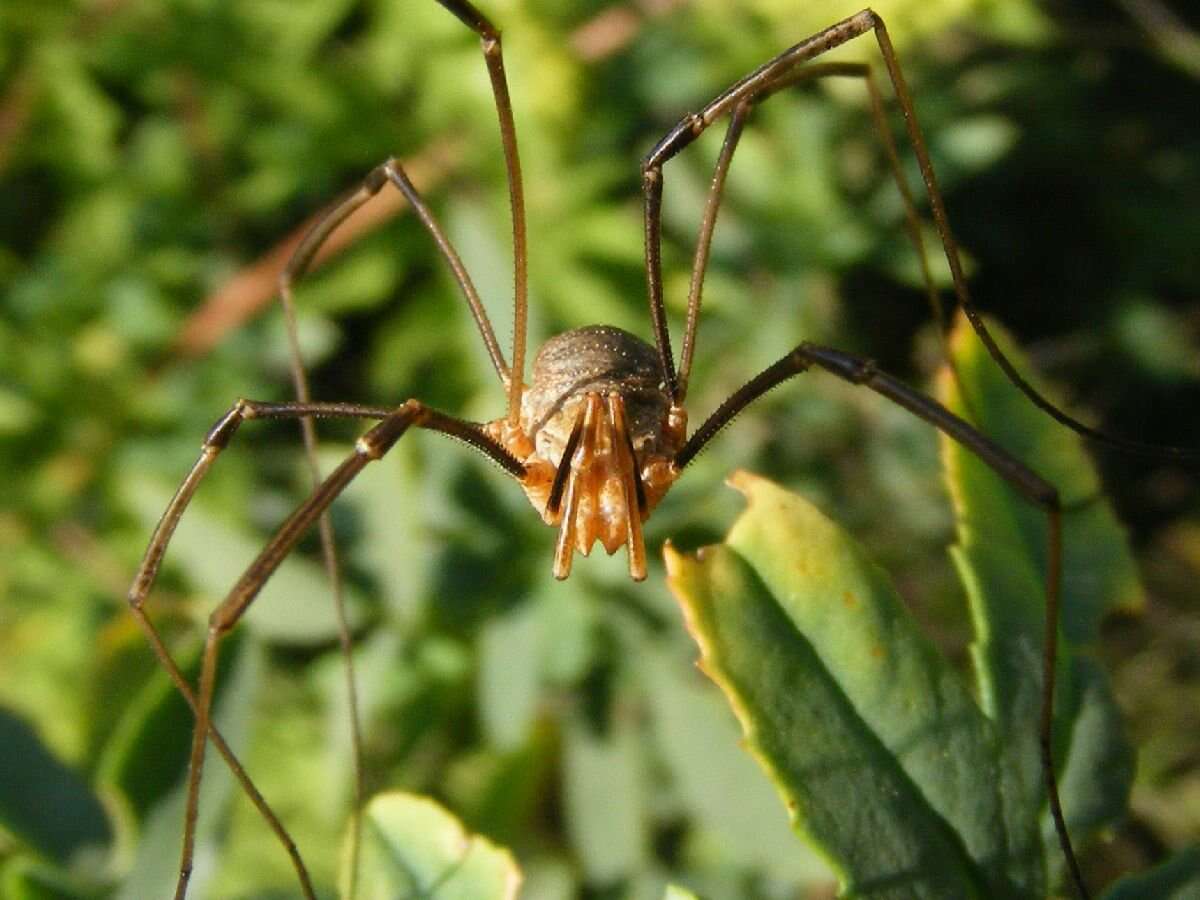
(613, 29)
(253, 287)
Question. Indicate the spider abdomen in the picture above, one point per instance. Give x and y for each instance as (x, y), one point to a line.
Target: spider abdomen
(598, 435)
(598, 359)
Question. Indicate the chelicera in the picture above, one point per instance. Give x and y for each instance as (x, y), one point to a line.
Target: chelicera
(599, 435)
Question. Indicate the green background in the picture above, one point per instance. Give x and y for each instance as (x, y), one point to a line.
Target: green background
(154, 153)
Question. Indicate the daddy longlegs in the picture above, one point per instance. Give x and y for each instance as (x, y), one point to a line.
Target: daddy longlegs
(600, 434)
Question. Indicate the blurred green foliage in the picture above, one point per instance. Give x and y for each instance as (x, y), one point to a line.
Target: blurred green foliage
(150, 151)
(413, 848)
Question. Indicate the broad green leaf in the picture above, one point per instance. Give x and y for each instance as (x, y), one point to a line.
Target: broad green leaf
(675, 892)
(733, 806)
(43, 802)
(411, 847)
(882, 758)
(1001, 557)
(1176, 879)
(788, 577)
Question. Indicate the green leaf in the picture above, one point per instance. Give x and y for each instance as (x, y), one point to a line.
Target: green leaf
(411, 847)
(827, 671)
(733, 806)
(1176, 879)
(1001, 557)
(45, 803)
(881, 756)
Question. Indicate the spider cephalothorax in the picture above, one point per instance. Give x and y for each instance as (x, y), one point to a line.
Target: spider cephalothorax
(598, 437)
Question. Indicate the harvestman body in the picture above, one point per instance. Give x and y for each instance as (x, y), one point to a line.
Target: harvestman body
(600, 435)
(596, 398)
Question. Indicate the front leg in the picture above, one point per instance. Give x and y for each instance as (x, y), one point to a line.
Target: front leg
(371, 446)
(216, 441)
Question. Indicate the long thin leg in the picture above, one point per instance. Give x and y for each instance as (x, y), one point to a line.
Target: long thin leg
(393, 171)
(733, 134)
(298, 264)
(489, 38)
(143, 582)
(691, 127)
(239, 772)
(1025, 481)
(300, 261)
(216, 440)
(368, 448)
(694, 124)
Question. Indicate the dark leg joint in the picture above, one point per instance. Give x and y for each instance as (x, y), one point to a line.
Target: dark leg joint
(676, 139)
(375, 180)
(1047, 496)
(394, 172)
(379, 440)
(222, 433)
(854, 369)
(471, 17)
